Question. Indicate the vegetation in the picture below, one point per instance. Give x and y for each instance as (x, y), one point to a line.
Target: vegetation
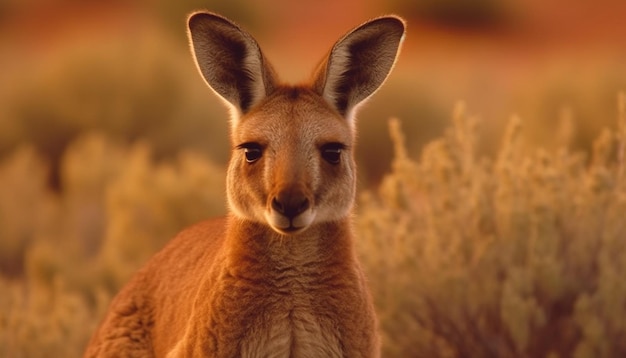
(520, 256)
(517, 256)
(65, 255)
(104, 156)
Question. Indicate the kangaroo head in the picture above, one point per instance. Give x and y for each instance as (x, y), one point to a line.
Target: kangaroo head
(292, 164)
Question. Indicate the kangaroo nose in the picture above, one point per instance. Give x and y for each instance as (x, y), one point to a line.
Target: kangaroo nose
(290, 204)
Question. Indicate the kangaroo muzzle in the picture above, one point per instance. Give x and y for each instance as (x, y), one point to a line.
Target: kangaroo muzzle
(290, 209)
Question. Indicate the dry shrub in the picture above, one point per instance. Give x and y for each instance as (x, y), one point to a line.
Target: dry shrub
(520, 256)
(27, 208)
(65, 255)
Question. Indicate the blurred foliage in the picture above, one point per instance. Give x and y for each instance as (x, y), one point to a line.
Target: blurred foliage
(513, 257)
(517, 256)
(142, 88)
(138, 82)
(63, 255)
(479, 248)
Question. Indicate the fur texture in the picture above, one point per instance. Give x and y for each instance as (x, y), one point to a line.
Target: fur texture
(278, 277)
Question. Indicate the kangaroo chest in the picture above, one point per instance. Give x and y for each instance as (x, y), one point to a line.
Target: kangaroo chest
(298, 333)
(289, 315)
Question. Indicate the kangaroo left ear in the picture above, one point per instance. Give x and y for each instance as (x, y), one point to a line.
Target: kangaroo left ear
(230, 61)
(359, 63)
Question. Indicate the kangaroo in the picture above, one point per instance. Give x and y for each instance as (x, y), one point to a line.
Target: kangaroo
(278, 276)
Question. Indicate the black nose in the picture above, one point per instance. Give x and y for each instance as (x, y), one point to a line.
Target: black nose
(290, 204)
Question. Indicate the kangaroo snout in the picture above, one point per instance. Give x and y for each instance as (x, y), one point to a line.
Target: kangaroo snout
(290, 203)
(290, 209)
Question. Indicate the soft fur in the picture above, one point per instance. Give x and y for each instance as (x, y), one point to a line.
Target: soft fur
(278, 277)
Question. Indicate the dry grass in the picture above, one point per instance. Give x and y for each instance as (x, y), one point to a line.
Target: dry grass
(65, 255)
(519, 256)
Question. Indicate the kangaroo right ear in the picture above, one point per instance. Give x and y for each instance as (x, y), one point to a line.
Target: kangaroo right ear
(230, 61)
(359, 63)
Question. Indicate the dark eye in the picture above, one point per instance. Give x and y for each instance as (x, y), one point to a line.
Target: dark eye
(252, 151)
(331, 152)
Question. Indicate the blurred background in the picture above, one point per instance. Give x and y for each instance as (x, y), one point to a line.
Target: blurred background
(110, 141)
(123, 68)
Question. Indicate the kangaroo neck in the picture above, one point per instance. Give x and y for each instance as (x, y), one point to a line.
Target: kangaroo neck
(320, 243)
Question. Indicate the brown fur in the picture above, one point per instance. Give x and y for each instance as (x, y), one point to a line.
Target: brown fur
(279, 276)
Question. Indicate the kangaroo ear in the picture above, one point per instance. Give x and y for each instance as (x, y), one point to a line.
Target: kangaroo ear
(230, 61)
(359, 63)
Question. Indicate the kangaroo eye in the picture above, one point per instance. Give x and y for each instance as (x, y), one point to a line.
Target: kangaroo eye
(331, 152)
(252, 154)
(252, 151)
